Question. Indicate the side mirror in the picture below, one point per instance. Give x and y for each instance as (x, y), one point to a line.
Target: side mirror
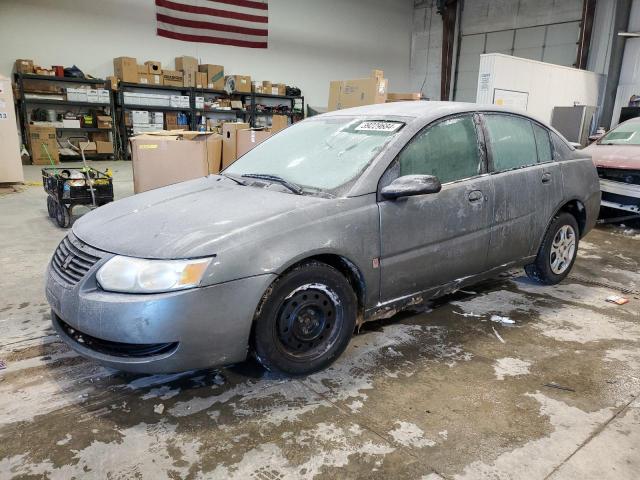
(410, 185)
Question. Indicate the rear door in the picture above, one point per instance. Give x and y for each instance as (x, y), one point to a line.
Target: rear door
(527, 183)
(430, 240)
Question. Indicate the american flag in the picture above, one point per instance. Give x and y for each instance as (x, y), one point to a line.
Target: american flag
(242, 23)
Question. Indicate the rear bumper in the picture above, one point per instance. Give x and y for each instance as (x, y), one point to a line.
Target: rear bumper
(158, 333)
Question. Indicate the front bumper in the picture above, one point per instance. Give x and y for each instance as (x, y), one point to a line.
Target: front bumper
(156, 333)
(619, 195)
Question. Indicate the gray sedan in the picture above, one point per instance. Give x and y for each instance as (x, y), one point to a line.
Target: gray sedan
(342, 218)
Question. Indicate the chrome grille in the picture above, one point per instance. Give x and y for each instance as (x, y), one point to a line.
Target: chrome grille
(73, 259)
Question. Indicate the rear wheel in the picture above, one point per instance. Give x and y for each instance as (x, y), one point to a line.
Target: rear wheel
(62, 215)
(306, 320)
(51, 206)
(558, 251)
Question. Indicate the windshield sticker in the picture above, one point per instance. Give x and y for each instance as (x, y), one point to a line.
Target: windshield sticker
(378, 126)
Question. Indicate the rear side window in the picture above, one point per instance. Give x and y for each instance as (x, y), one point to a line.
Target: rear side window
(512, 142)
(448, 150)
(561, 151)
(543, 144)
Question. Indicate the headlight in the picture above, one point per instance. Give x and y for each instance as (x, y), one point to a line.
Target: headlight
(137, 275)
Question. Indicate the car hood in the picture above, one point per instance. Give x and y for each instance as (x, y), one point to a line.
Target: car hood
(615, 156)
(191, 219)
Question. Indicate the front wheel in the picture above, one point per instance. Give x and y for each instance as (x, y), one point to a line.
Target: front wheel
(558, 251)
(305, 320)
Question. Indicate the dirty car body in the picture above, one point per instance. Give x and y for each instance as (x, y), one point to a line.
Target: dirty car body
(486, 214)
(617, 158)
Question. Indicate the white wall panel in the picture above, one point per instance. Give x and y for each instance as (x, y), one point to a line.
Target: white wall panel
(310, 42)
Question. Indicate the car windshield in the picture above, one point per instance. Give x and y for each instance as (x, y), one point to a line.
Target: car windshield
(626, 134)
(321, 154)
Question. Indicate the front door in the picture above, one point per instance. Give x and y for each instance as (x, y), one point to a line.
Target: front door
(430, 240)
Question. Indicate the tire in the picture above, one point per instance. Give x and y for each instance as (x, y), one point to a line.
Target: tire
(62, 216)
(51, 207)
(305, 320)
(557, 252)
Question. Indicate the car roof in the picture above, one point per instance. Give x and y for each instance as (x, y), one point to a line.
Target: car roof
(421, 109)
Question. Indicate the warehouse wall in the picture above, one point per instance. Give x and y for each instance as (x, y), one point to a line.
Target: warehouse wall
(310, 42)
(545, 30)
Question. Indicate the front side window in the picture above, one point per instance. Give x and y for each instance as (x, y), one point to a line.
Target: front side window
(323, 154)
(448, 150)
(512, 142)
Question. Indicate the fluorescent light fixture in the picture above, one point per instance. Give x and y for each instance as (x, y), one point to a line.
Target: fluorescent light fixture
(629, 34)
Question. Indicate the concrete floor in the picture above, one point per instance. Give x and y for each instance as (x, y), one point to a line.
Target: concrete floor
(443, 394)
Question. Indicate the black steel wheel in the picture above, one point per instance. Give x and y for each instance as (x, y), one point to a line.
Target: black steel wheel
(305, 320)
(62, 216)
(51, 207)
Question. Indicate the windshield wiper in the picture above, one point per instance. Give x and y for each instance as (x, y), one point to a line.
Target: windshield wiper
(275, 178)
(239, 182)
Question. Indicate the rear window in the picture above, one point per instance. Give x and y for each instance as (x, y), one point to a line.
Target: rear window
(627, 133)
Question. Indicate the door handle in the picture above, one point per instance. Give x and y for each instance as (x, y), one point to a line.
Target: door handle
(475, 196)
(546, 177)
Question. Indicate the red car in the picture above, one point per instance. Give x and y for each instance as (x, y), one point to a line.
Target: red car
(617, 158)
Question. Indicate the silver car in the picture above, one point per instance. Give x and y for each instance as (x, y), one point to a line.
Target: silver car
(342, 218)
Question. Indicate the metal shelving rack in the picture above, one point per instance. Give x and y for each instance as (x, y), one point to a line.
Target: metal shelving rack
(201, 92)
(254, 113)
(24, 103)
(122, 108)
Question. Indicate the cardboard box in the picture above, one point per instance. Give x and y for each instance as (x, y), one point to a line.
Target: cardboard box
(126, 69)
(104, 147)
(214, 76)
(153, 67)
(249, 139)
(189, 67)
(243, 83)
(88, 147)
(143, 69)
(278, 89)
(104, 121)
(155, 79)
(279, 122)
(354, 93)
(402, 97)
(165, 158)
(24, 66)
(229, 136)
(377, 74)
(266, 86)
(112, 80)
(39, 139)
(201, 80)
(99, 137)
(172, 78)
(143, 78)
(10, 160)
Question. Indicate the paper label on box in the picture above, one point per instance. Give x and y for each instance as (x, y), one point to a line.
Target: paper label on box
(4, 115)
(378, 126)
(149, 146)
(381, 88)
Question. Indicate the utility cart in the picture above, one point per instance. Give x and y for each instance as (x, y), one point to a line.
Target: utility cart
(67, 187)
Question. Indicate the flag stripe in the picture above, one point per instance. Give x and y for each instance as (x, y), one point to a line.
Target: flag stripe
(183, 22)
(208, 18)
(221, 6)
(208, 39)
(211, 11)
(206, 32)
(244, 3)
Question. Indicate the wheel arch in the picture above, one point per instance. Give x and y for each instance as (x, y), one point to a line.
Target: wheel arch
(576, 208)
